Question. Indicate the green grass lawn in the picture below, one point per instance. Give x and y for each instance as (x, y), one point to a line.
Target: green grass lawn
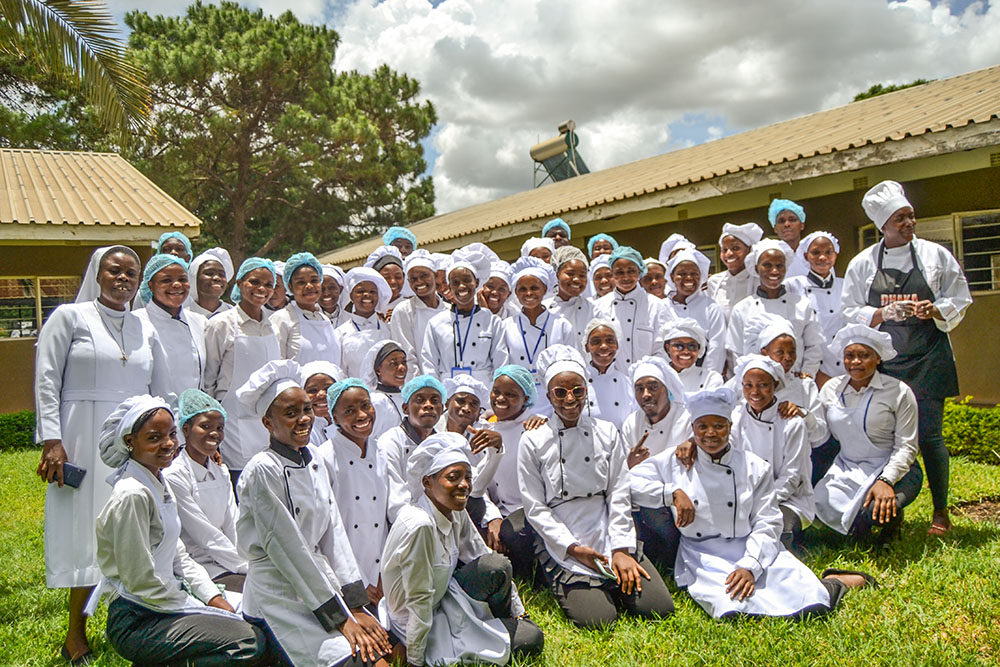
(939, 603)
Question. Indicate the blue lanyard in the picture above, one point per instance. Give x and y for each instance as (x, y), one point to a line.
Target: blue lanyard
(538, 341)
(864, 419)
(378, 325)
(458, 332)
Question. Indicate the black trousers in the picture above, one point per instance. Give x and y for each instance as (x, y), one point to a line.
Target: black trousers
(937, 460)
(822, 458)
(659, 536)
(147, 637)
(906, 490)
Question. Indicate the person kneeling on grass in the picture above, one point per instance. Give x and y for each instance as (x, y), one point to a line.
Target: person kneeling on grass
(731, 560)
(447, 594)
(303, 583)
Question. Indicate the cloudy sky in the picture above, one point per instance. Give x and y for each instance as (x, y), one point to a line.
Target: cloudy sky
(639, 77)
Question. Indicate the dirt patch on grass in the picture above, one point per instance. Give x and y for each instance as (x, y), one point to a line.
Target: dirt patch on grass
(987, 509)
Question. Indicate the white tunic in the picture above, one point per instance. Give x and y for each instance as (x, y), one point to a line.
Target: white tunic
(798, 268)
(356, 336)
(826, 300)
(712, 319)
(578, 311)
(609, 395)
(183, 341)
(575, 489)
(640, 317)
(433, 616)
(394, 447)
(804, 393)
(697, 378)
(195, 307)
(305, 336)
(504, 491)
(727, 289)
(737, 524)
(525, 341)
(207, 509)
(455, 344)
(809, 339)
(302, 578)
(669, 432)
(79, 381)
(408, 326)
(360, 488)
(782, 443)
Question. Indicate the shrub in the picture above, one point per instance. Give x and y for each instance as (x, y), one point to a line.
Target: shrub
(17, 430)
(971, 431)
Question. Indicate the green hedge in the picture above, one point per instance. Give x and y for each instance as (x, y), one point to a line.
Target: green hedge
(17, 430)
(971, 431)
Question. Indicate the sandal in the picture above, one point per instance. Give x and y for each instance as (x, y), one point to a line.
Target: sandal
(938, 529)
(870, 581)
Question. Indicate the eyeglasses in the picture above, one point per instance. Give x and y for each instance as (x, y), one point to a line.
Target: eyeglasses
(561, 393)
(680, 347)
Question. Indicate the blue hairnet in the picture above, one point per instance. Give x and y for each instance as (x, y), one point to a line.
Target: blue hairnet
(779, 205)
(397, 232)
(166, 236)
(252, 264)
(156, 264)
(193, 402)
(297, 261)
(556, 222)
(418, 383)
(631, 254)
(601, 237)
(337, 388)
(524, 379)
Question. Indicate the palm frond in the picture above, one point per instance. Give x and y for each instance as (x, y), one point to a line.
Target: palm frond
(80, 36)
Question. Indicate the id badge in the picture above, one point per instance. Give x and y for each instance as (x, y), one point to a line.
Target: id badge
(461, 370)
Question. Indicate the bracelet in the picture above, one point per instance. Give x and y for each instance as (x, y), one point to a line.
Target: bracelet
(880, 478)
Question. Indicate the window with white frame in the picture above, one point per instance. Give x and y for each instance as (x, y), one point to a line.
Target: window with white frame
(27, 301)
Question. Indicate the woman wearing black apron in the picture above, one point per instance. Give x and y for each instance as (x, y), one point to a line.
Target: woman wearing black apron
(915, 291)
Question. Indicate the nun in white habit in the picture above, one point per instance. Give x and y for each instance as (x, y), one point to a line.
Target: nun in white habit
(609, 395)
(735, 283)
(366, 295)
(682, 342)
(305, 333)
(303, 580)
(686, 276)
(209, 274)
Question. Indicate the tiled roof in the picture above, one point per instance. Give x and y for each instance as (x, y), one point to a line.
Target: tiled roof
(933, 107)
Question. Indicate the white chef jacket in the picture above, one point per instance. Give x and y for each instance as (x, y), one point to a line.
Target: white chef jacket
(525, 341)
(809, 339)
(394, 448)
(727, 289)
(940, 269)
(826, 297)
(207, 509)
(408, 326)
(640, 317)
(669, 432)
(183, 341)
(356, 336)
(477, 348)
(195, 307)
(712, 319)
(578, 311)
(302, 577)
(575, 488)
(609, 395)
(697, 378)
(799, 266)
(288, 330)
(360, 488)
(890, 421)
(79, 381)
(219, 340)
(504, 491)
(804, 393)
(421, 553)
(784, 445)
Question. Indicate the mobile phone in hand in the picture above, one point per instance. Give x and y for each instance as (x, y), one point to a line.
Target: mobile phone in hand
(73, 475)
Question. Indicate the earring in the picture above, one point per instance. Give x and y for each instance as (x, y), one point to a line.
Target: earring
(129, 447)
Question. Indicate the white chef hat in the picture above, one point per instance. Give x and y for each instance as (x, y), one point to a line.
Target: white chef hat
(808, 240)
(673, 242)
(598, 322)
(682, 327)
(877, 340)
(265, 383)
(220, 255)
(442, 260)
(703, 263)
(763, 328)
(765, 245)
(536, 268)
(715, 402)
(654, 260)
(361, 274)
(751, 362)
(749, 232)
(477, 258)
(465, 383)
(374, 357)
(433, 455)
(502, 270)
(537, 242)
(114, 451)
(599, 262)
(335, 272)
(882, 200)
(279, 271)
(556, 359)
(658, 369)
(419, 258)
(320, 366)
(382, 255)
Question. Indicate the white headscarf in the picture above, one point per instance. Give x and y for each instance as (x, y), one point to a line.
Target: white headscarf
(89, 287)
(368, 363)
(419, 258)
(808, 240)
(434, 454)
(328, 368)
(598, 322)
(658, 369)
(361, 274)
(220, 255)
(114, 451)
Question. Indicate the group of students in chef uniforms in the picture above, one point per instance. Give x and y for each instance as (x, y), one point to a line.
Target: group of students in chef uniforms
(346, 468)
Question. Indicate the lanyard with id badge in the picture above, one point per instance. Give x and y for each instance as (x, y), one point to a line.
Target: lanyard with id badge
(538, 341)
(460, 343)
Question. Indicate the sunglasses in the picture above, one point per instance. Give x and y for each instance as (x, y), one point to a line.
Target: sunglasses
(691, 347)
(561, 393)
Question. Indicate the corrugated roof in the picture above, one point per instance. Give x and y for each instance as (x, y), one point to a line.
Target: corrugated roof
(933, 107)
(82, 188)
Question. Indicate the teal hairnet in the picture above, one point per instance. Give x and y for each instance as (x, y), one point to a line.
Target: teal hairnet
(166, 236)
(779, 205)
(556, 222)
(252, 264)
(524, 379)
(394, 233)
(418, 383)
(631, 254)
(156, 264)
(337, 388)
(194, 402)
(601, 237)
(296, 262)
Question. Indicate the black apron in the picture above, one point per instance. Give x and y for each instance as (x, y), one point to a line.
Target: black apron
(924, 359)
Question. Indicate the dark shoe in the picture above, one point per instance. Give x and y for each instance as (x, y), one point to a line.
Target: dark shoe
(82, 661)
(891, 530)
(871, 581)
